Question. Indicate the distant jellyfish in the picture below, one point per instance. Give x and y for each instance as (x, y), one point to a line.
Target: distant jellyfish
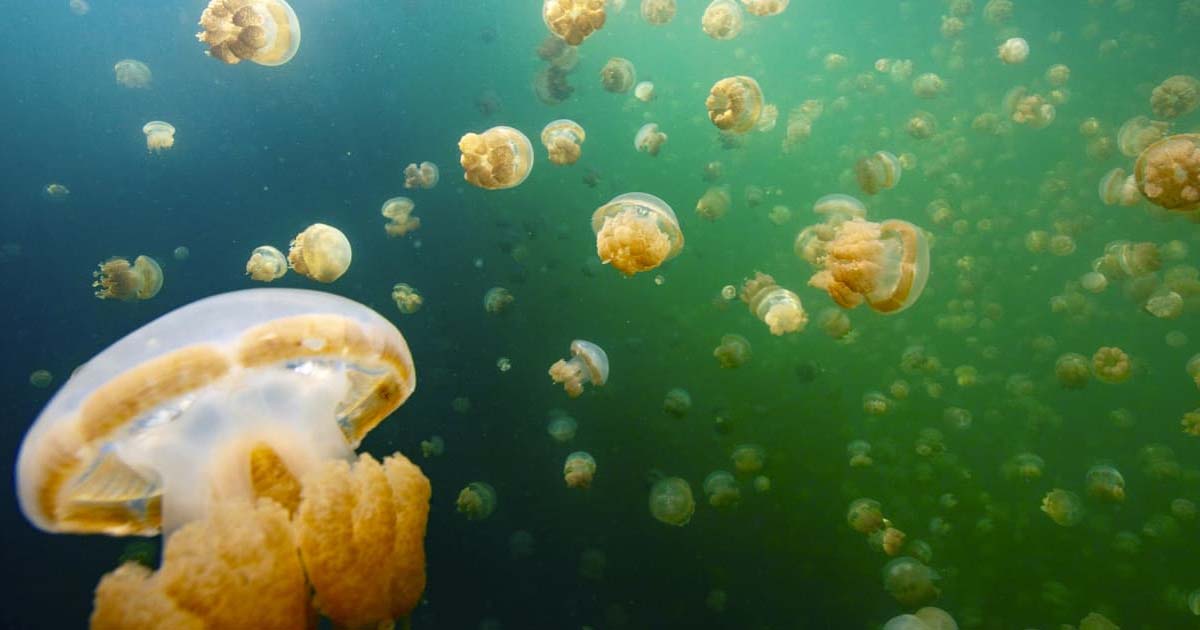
(928, 86)
(921, 125)
(859, 452)
(649, 139)
(714, 203)
(644, 91)
(658, 12)
(498, 158)
(1014, 50)
(722, 20)
(765, 8)
(865, 515)
(722, 489)
(1139, 133)
(777, 307)
(266, 264)
(748, 459)
(477, 501)
(398, 211)
(497, 300)
(579, 470)
(878, 171)
(1058, 75)
(1072, 370)
(407, 300)
(40, 379)
(618, 75)
(1063, 507)
(181, 253)
(735, 104)
(56, 192)
(573, 20)
(561, 427)
(79, 7)
(671, 501)
(636, 232)
(677, 402)
(998, 12)
(265, 32)
(780, 214)
(883, 264)
(160, 136)
(1168, 172)
(1176, 96)
(321, 252)
(132, 73)
(433, 447)
(588, 364)
(733, 352)
(116, 279)
(1193, 369)
(1025, 466)
(1106, 484)
(551, 86)
(424, 175)
(910, 582)
(1111, 365)
(563, 140)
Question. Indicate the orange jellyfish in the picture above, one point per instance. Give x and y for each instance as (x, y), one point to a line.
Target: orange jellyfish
(579, 470)
(618, 75)
(658, 12)
(573, 20)
(1072, 371)
(722, 20)
(588, 364)
(1168, 172)
(116, 279)
(884, 264)
(398, 211)
(266, 264)
(735, 104)
(649, 139)
(132, 73)
(714, 203)
(928, 85)
(777, 307)
(876, 172)
(563, 140)
(320, 252)
(160, 136)
(1176, 96)
(1111, 365)
(265, 32)
(498, 158)
(636, 232)
(424, 175)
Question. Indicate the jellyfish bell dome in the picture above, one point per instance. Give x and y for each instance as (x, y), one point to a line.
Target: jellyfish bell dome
(671, 501)
(1168, 172)
(588, 364)
(266, 32)
(636, 232)
(498, 158)
(234, 396)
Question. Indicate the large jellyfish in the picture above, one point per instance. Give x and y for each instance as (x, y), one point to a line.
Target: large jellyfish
(116, 279)
(671, 501)
(477, 501)
(573, 20)
(320, 252)
(883, 264)
(588, 364)
(266, 264)
(636, 232)
(160, 136)
(618, 75)
(658, 12)
(563, 140)
(735, 104)
(649, 139)
(132, 73)
(498, 158)
(1168, 172)
(265, 32)
(398, 211)
(722, 20)
(424, 175)
(579, 469)
(777, 307)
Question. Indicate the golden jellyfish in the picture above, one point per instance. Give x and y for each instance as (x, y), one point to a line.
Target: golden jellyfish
(928, 85)
(618, 75)
(1113, 187)
(884, 264)
(921, 125)
(834, 62)
(1014, 50)
(910, 582)
(876, 172)
(1176, 96)
(1123, 259)
(1024, 466)
(735, 104)
(579, 469)
(132, 73)
(865, 515)
(1058, 75)
(1072, 370)
(1191, 422)
(563, 140)
(644, 91)
(998, 12)
(497, 300)
(779, 214)
(160, 136)
(1138, 133)
(834, 322)
(56, 192)
(671, 501)
(1029, 109)
(1063, 507)
(573, 20)
(734, 351)
(952, 26)
(714, 203)
(407, 300)
(266, 264)
(476, 501)
(265, 32)
(658, 12)
(722, 20)
(498, 158)
(765, 8)
(588, 364)
(1111, 365)
(398, 211)
(649, 139)
(424, 175)
(116, 279)
(321, 252)
(722, 489)
(859, 452)
(777, 307)
(1106, 484)
(40, 379)
(1168, 172)
(636, 232)
(748, 459)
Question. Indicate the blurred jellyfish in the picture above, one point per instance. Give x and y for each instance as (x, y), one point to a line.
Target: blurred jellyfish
(761, 483)
(859, 452)
(733, 352)
(649, 139)
(1014, 50)
(677, 402)
(40, 379)
(876, 172)
(1106, 484)
(748, 459)
(550, 85)
(834, 322)
(998, 12)
(717, 599)
(424, 175)
(722, 20)
(56, 192)
(561, 427)
(1113, 188)
(735, 104)
(1193, 369)
(1168, 172)
(1138, 133)
(883, 264)
(644, 91)
(765, 8)
(928, 85)
(671, 500)
(921, 125)
(588, 364)
(1058, 75)
(865, 515)
(79, 7)
(1111, 365)
(116, 279)
(573, 20)
(1072, 370)
(477, 501)
(722, 489)
(181, 253)
(1025, 466)
(266, 264)
(433, 447)
(563, 140)
(1191, 422)
(658, 12)
(498, 158)
(1176, 96)
(1063, 507)
(321, 252)
(777, 307)
(874, 403)
(636, 232)
(132, 73)
(160, 136)
(910, 582)
(714, 203)
(265, 32)
(406, 298)
(497, 300)
(1093, 282)
(579, 469)
(398, 211)
(779, 215)
(618, 75)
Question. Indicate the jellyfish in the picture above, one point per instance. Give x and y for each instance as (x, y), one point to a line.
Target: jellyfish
(910, 582)
(1025, 466)
(398, 211)
(722, 20)
(884, 264)
(618, 75)
(56, 192)
(734, 351)
(649, 139)
(498, 158)
(1063, 507)
(780, 215)
(777, 307)
(562, 428)
(1106, 484)
(476, 501)
(748, 459)
(714, 203)
(722, 489)
(879, 171)
(921, 125)
(1072, 370)
(928, 86)
(859, 452)
(423, 176)
(658, 12)
(1176, 96)
(636, 232)
(1029, 109)
(433, 447)
(497, 300)
(838, 206)
(1113, 187)
(579, 470)
(1111, 365)
(132, 73)
(1190, 422)
(1168, 172)
(765, 8)
(563, 140)
(160, 136)
(671, 500)
(1138, 133)
(558, 53)
(116, 279)
(865, 515)
(551, 86)
(40, 379)
(1014, 50)
(588, 364)
(677, 402)
(407, 300)
(321, 252)
(266, 264)
(573, 20)
(265, 32)
(735, 104)
(644, 91)
(1193, 369)
(79, 7)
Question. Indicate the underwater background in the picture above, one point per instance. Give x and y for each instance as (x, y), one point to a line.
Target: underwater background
(262, 152)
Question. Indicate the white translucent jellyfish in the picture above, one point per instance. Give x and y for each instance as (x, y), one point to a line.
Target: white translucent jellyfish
(321, 252)
(236, 396)
(649, 139)
(398, 211)
(497, 300)
(116, 279)
(927, 618)
(1014, 50)
(722, 20)
(658, 12)
(573, 20)
(883, 264)
(1138, 133)
(588, 364)
(498, 158)
(424, 175)
(636, 232)
(562, 427)
(265, 32)
(722, 489)
(132, 73)
(878, 171)
(579, 469)
(777, 307)
(735, 104)
(618, 75)
(266, 264)
(477, 501)
(160, 136)
(407, 300)
(839, 206)
(765, 8)
(644, 91)
(563, 140)
(671, 501)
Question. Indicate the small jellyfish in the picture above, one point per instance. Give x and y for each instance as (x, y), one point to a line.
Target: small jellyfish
(677, 402)
(859, 452)
(424, 175)
(321, 252)
(644, 91)
(865, 515)
(497, 300)
(561, 427)
(876, 172)
(636, 232)
(928, 86)
(132, 73)
(722, 20)
(671, 501)
(265, 32)
(563, 140)
(160, 136)
(748, 459)
(1072, 370)
(406, 298)
(921, 125)
(884, 264)
(910, 582)
(551, 86)
(433, 447)
(1106, 484)
(777, 307)
(579, 470)
(765, 8)
(722, 489)
(116, 279)
(1014, 50)
(1168, 172)
(588, 364)
(875, 403)
(56, 192)
(658, 12)
(477, 501)
(714, 203)
(1063, 507)
(498, 158)
(181, 253)
(573, 20)
(398, 211)
(79, 7)
(1176, 96)
(1193, 369)
(780, 215)
(735, 104)
(266, 264)
(618, 75)
(40, 379)
(649, 139)
(1111, 365)
(734, 351)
